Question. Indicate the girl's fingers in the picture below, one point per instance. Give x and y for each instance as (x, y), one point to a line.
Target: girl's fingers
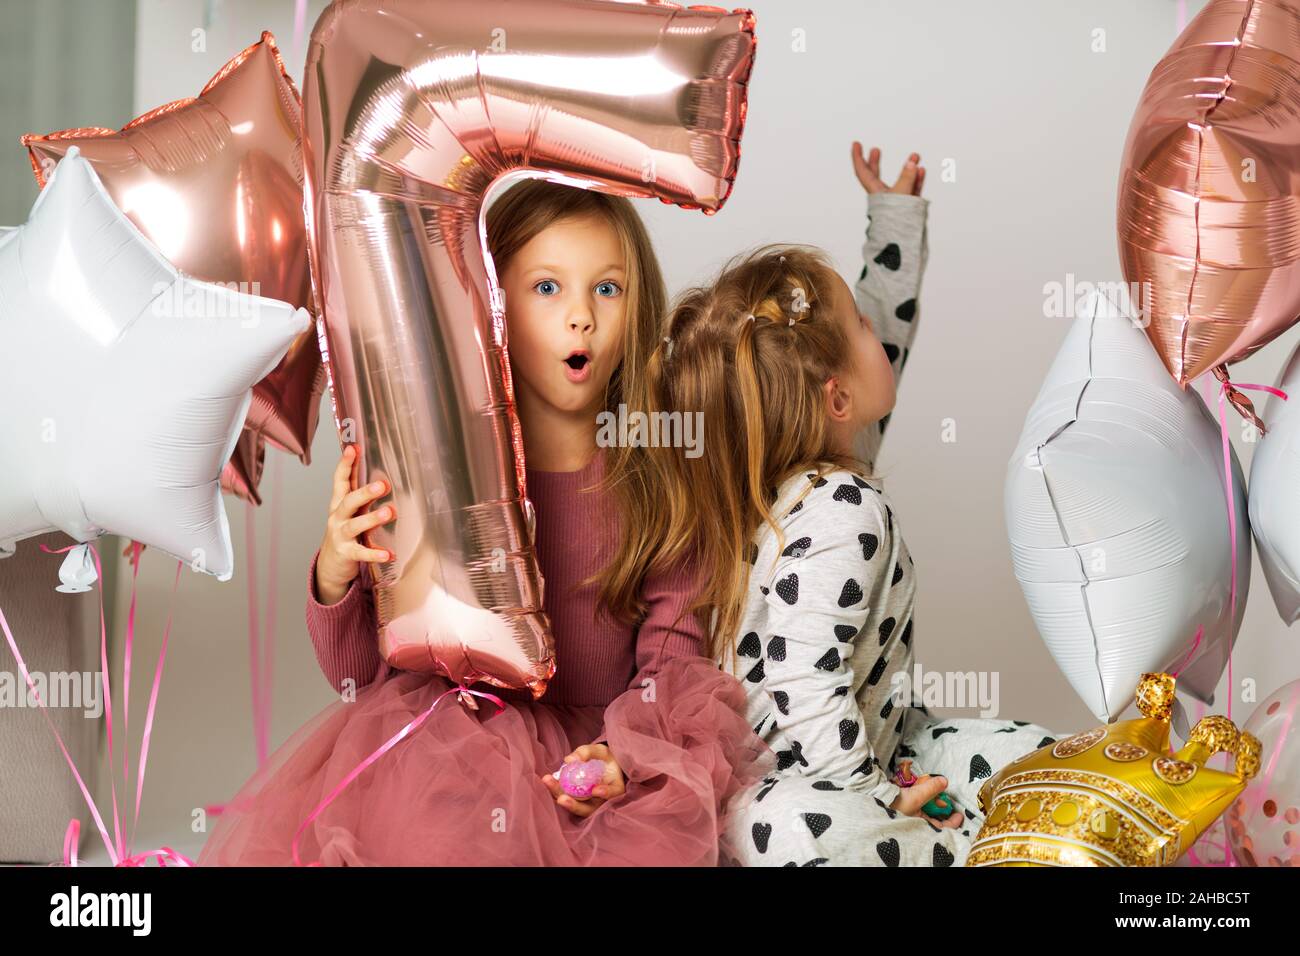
(359, 552)
(342, 477)
(552, 785)
(368, 520)
(353, 500)
(907, 178)
(920, 181)
(867, 170)
(580, 808)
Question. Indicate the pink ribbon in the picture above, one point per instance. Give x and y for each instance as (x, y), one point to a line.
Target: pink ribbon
(299, 25)
(1232, 545)
(461, 691)
(261, 652)
(117, 846)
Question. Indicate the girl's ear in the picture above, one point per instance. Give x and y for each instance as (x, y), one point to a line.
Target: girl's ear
(839, 403)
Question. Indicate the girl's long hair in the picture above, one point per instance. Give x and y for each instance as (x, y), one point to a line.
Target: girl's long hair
(519, 214)
(752, 351)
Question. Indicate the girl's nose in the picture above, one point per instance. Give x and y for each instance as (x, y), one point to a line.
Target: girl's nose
(581, 319)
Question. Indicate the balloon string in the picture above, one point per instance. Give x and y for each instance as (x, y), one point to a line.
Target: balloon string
(31, 686)
(299, 26)
(118, 850)
(388, 745)
(261, 645)
(1200, 632)
(120, 845)
(128, 645)
(1224, 387)
(272, 605)
(153, 700)
(254, 641)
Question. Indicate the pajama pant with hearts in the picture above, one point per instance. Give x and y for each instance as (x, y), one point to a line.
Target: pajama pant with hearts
(794, 820)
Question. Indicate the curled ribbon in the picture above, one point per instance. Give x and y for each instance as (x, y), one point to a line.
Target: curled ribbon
(463, 693)
(118, 848)
(1229, 392)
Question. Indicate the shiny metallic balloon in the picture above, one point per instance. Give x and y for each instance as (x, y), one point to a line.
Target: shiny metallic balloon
(215, 181)
(1115, 795)
(1118, 520)
(124, 382)
(1264, 824)
(1275, 495)
(242, 475)
(1209, 195)
(414, 111)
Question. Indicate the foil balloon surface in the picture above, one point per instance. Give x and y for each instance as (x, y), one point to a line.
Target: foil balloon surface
(1116, 795)
(125, 382)
(215, 182)
(1209, 193)
(414, 112)
(1118, 518)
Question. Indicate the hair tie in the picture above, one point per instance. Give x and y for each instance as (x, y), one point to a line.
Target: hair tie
(750, 317)
(668, 352)
(783, 260)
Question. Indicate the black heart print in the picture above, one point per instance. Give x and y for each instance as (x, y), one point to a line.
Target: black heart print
(891, 257)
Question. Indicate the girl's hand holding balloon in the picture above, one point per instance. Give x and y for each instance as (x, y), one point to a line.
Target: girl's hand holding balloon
(612, 783)
(340, 551)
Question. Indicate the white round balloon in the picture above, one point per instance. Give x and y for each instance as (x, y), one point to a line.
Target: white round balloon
(124, 383)
(1275, 494)
(1118, 519)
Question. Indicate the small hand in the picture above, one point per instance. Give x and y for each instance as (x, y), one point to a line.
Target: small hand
(341, 551)
(911, 800)
(613, 785)
(911, 180)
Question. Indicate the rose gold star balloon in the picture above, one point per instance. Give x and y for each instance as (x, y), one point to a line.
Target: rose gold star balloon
(413, 112)
(1209, 196)
(243, 473)
(215, 181)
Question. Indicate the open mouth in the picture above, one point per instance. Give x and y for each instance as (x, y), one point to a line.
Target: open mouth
(577, 367)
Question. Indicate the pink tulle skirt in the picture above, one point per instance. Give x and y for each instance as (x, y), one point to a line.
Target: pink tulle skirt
(464, 789)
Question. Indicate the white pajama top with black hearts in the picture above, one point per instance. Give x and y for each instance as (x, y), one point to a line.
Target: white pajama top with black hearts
(827, 628)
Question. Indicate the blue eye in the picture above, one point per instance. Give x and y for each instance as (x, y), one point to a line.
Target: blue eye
(612, 286)
(547, 287)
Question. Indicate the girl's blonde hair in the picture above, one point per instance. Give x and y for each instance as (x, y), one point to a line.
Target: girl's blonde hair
(518, 215)
(753, 352)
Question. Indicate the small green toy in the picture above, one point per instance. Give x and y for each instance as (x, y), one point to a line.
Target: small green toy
(941, 807)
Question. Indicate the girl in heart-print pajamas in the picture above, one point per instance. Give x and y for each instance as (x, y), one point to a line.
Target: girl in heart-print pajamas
(824, 622)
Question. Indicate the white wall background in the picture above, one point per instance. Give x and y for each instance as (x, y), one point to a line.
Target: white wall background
(1010, 94)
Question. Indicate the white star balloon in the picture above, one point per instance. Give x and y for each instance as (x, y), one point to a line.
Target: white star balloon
(1118, 518)
(124, 383)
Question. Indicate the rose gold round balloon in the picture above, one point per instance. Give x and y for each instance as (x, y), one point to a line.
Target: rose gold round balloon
(414, 110)
(215, 181)
(1209, 195)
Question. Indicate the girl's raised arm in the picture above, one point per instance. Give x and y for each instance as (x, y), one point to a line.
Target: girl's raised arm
(888, 290)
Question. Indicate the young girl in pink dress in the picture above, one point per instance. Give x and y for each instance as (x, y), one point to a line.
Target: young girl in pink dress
(584, 300)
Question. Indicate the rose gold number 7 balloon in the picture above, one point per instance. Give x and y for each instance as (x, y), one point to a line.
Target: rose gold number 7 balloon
(413, 111)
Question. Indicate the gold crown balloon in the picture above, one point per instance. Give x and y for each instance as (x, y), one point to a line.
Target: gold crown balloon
(1115, 795)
